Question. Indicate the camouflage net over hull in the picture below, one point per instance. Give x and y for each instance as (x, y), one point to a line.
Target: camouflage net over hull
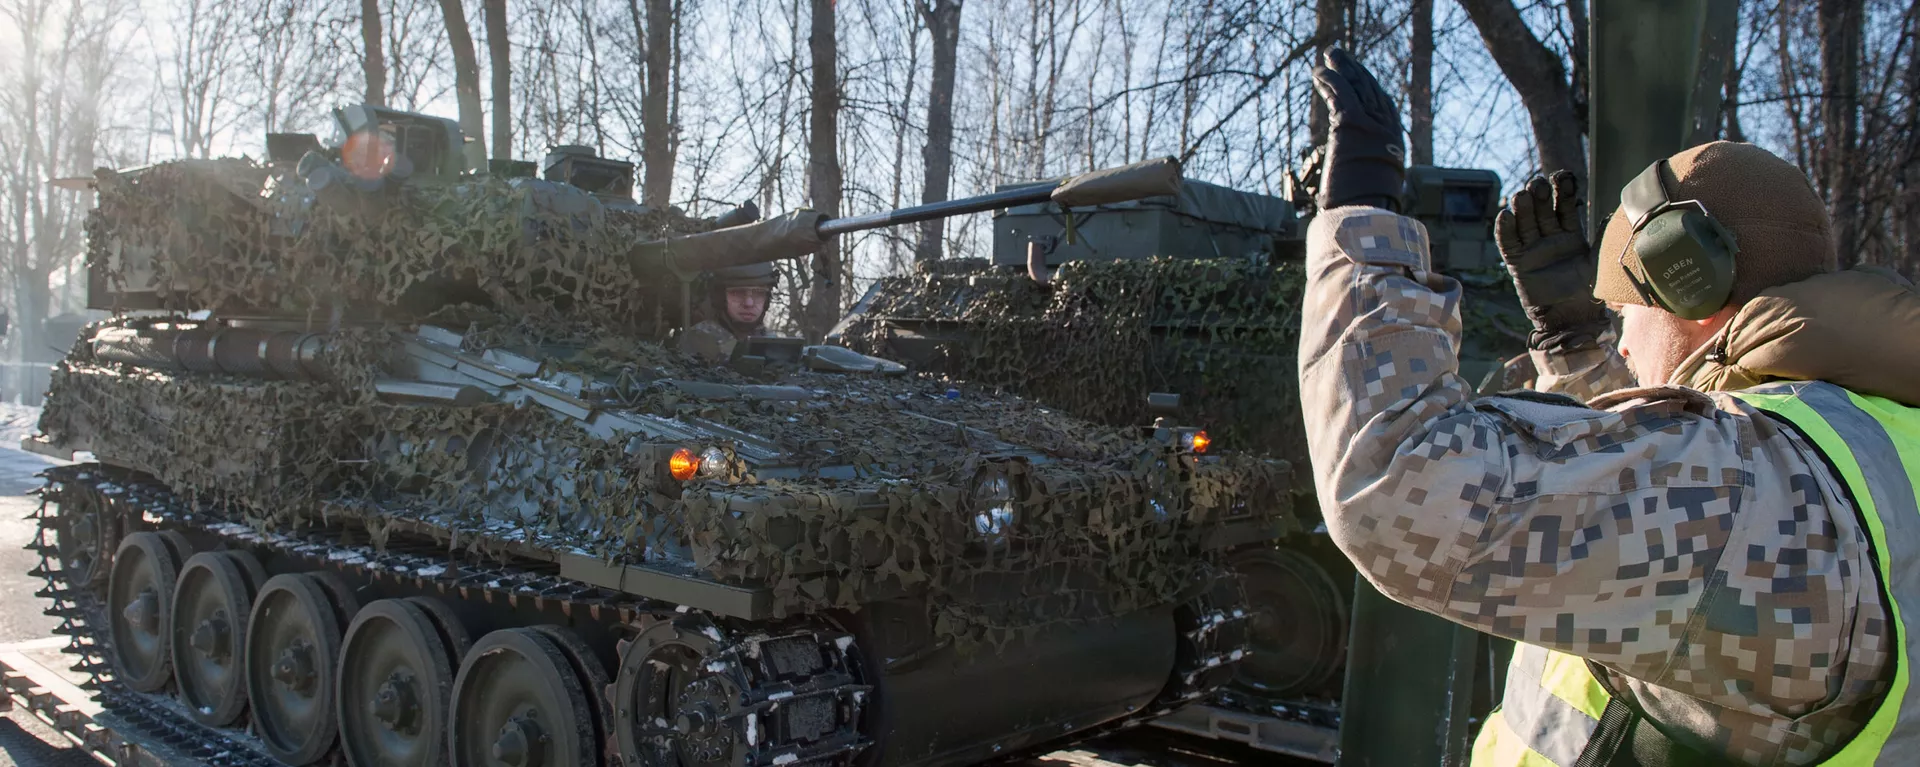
(1104, 334)
(1222, 333)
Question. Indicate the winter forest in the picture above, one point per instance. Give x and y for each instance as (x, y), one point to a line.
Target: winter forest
(855, 106)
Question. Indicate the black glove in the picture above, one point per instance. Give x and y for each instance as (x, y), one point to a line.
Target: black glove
(1552, 266)
(1366, 155)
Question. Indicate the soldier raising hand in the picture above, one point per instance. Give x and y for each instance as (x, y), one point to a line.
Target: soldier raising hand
(1701, 549)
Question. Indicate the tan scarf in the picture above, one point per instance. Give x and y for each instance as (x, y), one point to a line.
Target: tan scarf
(1859, 329)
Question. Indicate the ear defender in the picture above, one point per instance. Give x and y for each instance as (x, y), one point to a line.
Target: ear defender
(1686, 256)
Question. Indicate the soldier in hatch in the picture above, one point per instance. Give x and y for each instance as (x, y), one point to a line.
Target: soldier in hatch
(1707, 552)
(736, 308)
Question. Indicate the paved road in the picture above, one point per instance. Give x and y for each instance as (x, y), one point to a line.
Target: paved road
(24, 740)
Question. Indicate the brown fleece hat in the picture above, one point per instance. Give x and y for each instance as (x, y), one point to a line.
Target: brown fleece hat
(1780, 224)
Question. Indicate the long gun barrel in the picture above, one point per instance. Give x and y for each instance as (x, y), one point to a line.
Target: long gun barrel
(800, 233)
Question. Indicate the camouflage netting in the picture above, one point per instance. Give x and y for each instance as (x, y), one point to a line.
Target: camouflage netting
(1104, 334)
(1222, 333)
(877, 501)
(233, 236)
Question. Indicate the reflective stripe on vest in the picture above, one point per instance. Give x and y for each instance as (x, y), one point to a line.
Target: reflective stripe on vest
(1552, 704)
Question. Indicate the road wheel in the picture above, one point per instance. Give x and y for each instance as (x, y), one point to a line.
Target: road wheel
(517, 702)
(396, 677)
(139, 598)
(85, 534)
(293, 648)
(1299, 623)
(207, 629)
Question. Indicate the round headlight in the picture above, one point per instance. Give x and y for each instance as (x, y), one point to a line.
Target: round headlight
(713, 463)
(993, 508)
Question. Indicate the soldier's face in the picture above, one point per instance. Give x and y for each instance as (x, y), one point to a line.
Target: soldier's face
(1654, 343)
(746, 305)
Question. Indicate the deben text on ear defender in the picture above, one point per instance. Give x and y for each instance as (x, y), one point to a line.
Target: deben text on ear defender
(1686, 256)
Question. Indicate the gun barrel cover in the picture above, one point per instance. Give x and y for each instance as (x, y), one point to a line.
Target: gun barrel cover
(792, 235)
(1152, 178)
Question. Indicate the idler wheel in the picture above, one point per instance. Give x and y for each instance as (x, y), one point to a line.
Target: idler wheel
(670, 708)
(293, 647)
(139, 598)
(85, 535)
(208, 631)
(517, 702)
(1298, 628)
(396, 678)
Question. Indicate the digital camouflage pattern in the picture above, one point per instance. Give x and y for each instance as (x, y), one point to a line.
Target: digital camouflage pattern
(1686, 542)
(868, 502)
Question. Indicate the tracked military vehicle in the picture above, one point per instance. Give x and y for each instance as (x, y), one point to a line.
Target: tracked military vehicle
(392, 461)
(1186, 306)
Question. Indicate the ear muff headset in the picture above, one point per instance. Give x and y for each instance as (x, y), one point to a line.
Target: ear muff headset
(1686, 256)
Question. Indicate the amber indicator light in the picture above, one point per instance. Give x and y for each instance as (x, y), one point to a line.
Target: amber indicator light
(683, 465)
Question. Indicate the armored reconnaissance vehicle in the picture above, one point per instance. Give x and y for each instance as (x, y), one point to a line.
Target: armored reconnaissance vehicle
(391, 461)
(1187, 306)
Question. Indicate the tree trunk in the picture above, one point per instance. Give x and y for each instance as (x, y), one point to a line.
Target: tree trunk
(1420, 85)
(943, 26)
(1330, 25)
(1730, 99)
(656, 117)
(500, 62)
(1537, 74)
(466, 70)
(1909, 210)
(375, 62)
(823, 171)
(1840, 27)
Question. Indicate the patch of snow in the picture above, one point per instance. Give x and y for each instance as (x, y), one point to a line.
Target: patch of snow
(785, 759)
(781, 695)
(753, 729)
(713, 634)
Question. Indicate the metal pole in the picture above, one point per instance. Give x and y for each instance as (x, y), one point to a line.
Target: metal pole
(1003, 199)
(1409, 688)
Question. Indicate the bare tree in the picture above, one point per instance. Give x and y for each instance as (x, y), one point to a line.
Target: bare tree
(466, 69)
(1537, 73)
(500, 63)
(823, 169)
(1420, 84)
(51, 87)
(942, 18)
(373, 58)
(656, 111)
(1840, 30)
(1330, 28)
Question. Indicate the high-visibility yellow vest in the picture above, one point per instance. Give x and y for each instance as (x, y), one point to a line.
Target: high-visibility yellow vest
(1553, 704)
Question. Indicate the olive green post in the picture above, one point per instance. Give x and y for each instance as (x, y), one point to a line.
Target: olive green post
(1409, 688)
(1656, 69)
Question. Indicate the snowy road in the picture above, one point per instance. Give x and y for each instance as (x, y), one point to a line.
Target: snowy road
(24, 740)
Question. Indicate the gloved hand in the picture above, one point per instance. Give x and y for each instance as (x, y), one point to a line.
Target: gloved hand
(1366, 155)
(1552, 265)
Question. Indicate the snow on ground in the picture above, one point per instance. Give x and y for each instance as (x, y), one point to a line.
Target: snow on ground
(17, 421)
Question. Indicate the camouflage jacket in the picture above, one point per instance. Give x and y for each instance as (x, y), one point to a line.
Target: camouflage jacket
(1704, 555)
